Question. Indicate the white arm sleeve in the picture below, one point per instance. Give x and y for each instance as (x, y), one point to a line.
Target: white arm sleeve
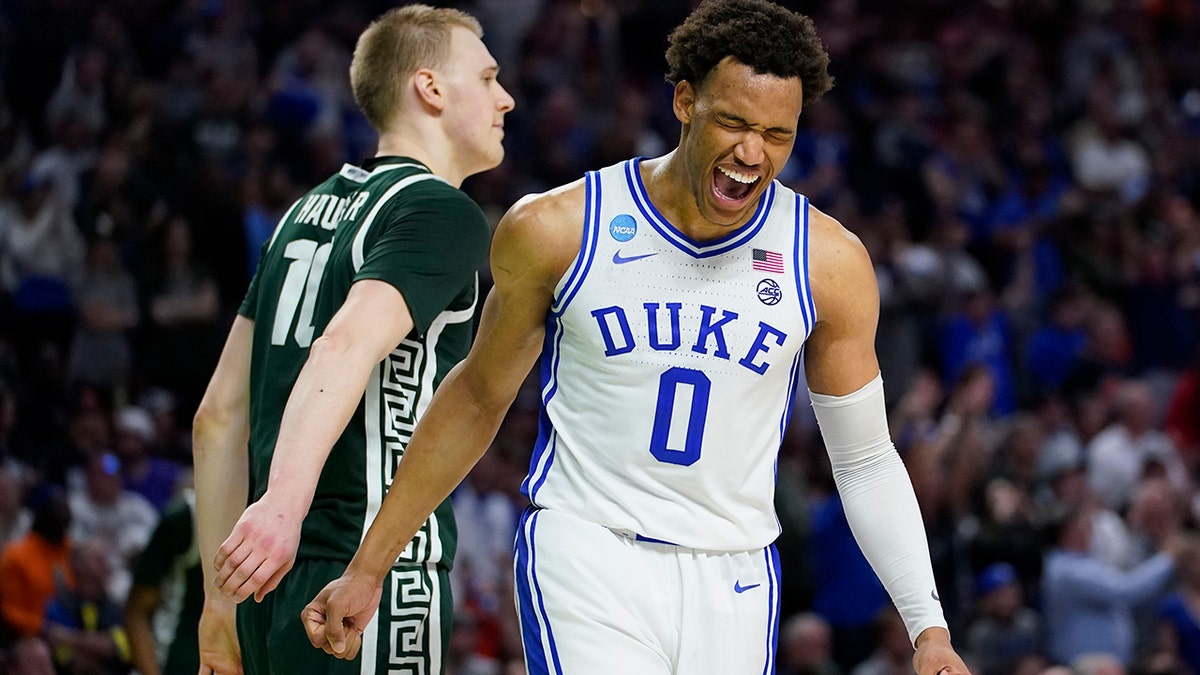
(879, 501)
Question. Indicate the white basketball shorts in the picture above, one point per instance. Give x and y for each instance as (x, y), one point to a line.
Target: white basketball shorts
(595, 602)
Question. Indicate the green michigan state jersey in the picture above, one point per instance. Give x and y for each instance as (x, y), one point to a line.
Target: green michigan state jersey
(395, 222)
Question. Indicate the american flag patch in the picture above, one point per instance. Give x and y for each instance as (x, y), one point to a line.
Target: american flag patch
(768, 261)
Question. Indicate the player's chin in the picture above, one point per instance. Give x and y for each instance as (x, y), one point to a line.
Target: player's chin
(495, 158)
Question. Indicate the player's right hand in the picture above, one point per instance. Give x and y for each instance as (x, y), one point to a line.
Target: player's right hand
(336, 618)
(259, 551)
(220, 653)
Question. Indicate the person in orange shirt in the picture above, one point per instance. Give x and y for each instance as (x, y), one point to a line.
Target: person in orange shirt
(30, 565)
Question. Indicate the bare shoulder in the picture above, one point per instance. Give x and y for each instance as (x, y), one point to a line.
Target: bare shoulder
(541, 233)
(839, 267)
(840, 352)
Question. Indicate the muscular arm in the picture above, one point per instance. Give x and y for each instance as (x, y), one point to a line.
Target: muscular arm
(847, 394)
(527, 261)
(368, 326)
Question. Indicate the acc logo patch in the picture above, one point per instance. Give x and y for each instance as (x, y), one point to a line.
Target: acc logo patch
(623, 227)
(769, 292)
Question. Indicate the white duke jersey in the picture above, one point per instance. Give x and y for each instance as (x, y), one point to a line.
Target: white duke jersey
(669, 368)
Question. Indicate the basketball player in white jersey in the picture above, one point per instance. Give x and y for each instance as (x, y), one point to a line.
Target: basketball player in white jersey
(669, 300)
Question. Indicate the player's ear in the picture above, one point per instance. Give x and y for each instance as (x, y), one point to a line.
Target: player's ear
(428, 89)
(684, 101)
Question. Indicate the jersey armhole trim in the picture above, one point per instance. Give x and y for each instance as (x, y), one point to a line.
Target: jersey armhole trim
(803, 278)
(587, 249)
(360, 237)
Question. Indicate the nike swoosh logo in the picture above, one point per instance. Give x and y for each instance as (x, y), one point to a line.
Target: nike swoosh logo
(739, 588)
(933, 594)
(619, 259)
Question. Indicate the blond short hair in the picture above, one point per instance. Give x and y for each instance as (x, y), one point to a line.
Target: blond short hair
(395, 46)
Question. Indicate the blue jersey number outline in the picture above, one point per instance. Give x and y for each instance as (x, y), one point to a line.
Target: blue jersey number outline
(668, 387)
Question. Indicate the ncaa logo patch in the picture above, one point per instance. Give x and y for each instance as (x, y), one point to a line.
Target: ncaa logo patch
(623, 227)
(769, 292)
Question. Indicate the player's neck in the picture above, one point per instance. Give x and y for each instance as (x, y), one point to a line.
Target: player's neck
(429, 149)
(669, 190)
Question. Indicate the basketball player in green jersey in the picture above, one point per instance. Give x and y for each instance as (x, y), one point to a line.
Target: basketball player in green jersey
(378, 265)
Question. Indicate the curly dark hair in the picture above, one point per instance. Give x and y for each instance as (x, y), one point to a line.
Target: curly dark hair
(770, 39)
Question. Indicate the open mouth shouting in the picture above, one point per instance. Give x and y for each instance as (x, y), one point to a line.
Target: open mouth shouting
(732, 187)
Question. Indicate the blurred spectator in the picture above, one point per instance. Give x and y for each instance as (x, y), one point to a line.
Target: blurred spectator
(162, 614)
(27, 656)
(980, 335)
(170, 441)
(963, 175)
(1119, 455)
(848, 595)
(106, 303)
(268, 193)
(309, 88)
(103, 509)
(1110, 541)
(914, 419)
(40, 252)
(488, 516)
(15, 449)
(1056, 348)
(1016, 459)
(80, 91)
(949, 463)
(155, 478)
(184, 305)
(820, 159)
(1004, 631)
(1025, 214)
(909, 293)
(893, 652)
(806, 646)
(1008, 536)
(15, 519)
(83, 624)
(1182, 423)
(89, 433)
(118, 198)
(1154, 514)
(1163, 332)
(1179, 616)
(1097, 664)
(72, 154)
(31, 567)
(1061, 444)
(1088, 604)
(1105, 159)
(462, 657)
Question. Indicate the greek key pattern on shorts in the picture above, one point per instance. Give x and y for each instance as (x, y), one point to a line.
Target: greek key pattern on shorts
(409, 607)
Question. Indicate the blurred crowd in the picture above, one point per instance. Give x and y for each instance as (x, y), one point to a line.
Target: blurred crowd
(1024, 173)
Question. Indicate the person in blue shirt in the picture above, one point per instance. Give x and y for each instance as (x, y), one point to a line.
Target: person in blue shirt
(1087, 603)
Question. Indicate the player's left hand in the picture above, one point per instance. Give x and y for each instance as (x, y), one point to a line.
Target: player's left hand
(935, 656)
(336, 618)
(259, 551)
